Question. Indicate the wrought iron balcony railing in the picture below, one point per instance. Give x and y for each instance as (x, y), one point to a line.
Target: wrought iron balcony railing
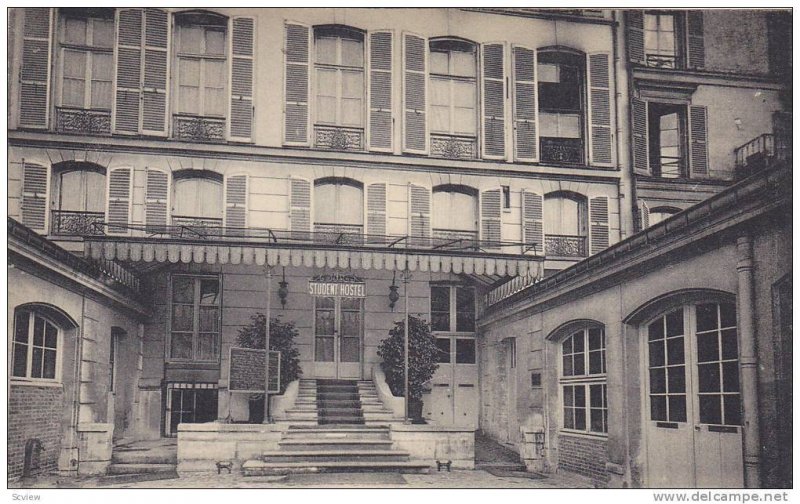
(454, 147)
(82, 121)
(564, 246)
(561, 150)
(761, 152)
(348, 234)
(192, 227)
(466, 239)
(662, 61)
(198, 129)
(75, 223)
(338, 138)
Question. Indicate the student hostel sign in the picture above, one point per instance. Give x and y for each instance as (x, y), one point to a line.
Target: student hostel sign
(349, 286)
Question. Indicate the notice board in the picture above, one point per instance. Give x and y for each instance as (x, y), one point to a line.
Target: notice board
(246, 370)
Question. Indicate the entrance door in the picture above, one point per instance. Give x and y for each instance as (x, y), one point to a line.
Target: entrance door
(189, 405)
(454, 394)
(693, 427)
(338, 325)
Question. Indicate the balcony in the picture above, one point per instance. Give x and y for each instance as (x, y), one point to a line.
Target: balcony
(662, 61)
(561, 150)
(75, 223)
(454, 147)
(82, 121)
(195, 227)
(566, 246)
(454, 237)
(338, 138)
(340, 234)
(760, 153)
(198, 129)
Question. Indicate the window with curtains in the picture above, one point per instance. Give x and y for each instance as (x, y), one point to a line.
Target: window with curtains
(200, 75)
(667, 140)
(453, 98)
(583, 381)
(85, 72)
(565, 224)
(662, 37)
(36, 347)
(79, 204)
(197, 200)
(339, 206)
(561, 88)
(455, 212)
(339, 87)
(195, 318)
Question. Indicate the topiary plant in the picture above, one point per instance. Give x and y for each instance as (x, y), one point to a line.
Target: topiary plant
(281, 338)
(422, 361)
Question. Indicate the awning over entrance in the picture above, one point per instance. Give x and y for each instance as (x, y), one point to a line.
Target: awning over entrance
(460, 262)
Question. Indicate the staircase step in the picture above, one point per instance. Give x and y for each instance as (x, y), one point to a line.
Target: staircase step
(143, 457)
(258, 467)
(118, 479)
(342, 445)
(334, 455)
(140, 468)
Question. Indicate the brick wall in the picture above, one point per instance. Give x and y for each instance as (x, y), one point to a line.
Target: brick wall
(34, 412)
(584, 456)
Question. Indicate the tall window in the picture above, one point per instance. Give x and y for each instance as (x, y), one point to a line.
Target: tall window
(202, 73)
(86, 38)
(197, 199)
(452, 308)
(455, 212)
(583, 381)
(338, 205)
(80, 199)
(339, 66)
(561, 106)
(565, 224)
(661, 39)
(195, 320)
(667, 139)
(454, 93)
(35, 351)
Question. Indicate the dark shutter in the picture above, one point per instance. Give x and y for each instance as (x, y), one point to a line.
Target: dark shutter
(119, 200)
(644, 215)
(34, 103)
(242, 58)
(380, 91)
(600, 104)
(154, 91)
(696, 43)
(300, 207)
(532, 223)
(156, 201)
(598, 218)
(491, 214)
(236, 204)
(376, 212)
(296, 84)
(698, 129)
(419, 215)
(494, 130)
(635, 29)
(641, 162)
(415, 137)
(129, 70)
(34, 196)
(525, 135)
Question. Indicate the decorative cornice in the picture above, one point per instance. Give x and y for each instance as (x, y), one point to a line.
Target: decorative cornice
(663, 77)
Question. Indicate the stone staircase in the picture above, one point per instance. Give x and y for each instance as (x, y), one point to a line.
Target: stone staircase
(304, 411)
(143, 461)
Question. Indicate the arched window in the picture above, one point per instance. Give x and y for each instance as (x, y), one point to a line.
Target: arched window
(565, 224)
(338, 205)
(583, 380)
(339, 67)
(455, 212)
(79, 199)
(561, 76)
(453, 98)
(36, 347)
(197, 198)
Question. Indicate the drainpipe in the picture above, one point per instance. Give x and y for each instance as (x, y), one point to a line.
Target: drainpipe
(74, 445)
(621, 72)
(748, 361)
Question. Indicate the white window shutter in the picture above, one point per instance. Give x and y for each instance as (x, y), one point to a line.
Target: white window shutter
(526, 138)
(532, 223)
(156, 68)
(236, 204)
(118, 210)
(380, 91)
(35, 185)
(156, 206)
(491, 215)
(299, 207)
(698, 151)
(696, 50)
(641, 156)
(634, 24)
(600, 109)
(240, 125)
(415, 82)
(376, 212)
(598, 224)
(296, 84)
(644, 215)
(419, 215)
(127, 103)
(34, 104)
(494, 94)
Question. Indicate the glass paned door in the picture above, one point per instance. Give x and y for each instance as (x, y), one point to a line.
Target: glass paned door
(338, 325)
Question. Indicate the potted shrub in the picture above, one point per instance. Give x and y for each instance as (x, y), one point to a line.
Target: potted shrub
(422, 362)
(281, 338)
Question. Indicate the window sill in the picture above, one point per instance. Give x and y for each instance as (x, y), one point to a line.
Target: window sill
(598, 436)
(30, 382)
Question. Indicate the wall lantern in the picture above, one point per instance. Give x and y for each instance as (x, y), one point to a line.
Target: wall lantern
(283, 289)
(394, 296)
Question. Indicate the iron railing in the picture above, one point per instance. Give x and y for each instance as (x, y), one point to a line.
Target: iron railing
(350, 234)
(83, 121)
(338, 138)
(761, 152)
(564, 246)
(190, 227)
(662, 61)
(561, 150)
(75, 223)
(516, 284)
